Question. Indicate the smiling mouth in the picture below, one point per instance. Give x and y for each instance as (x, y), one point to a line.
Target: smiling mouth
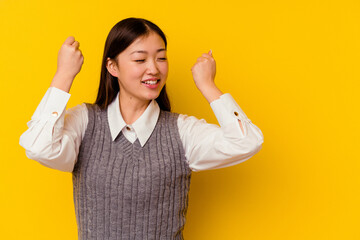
(151, 82)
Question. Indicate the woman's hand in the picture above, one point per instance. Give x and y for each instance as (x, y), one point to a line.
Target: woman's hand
(70, 60)
(203, 72)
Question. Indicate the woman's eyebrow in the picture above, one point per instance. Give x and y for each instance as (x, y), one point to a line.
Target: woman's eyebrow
(142, 51)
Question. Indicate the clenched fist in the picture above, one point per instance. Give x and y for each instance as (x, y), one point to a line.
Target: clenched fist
(204, 71)
(70, 58)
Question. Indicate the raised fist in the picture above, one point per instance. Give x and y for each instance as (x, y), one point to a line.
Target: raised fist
(204, 70)
(70, 58)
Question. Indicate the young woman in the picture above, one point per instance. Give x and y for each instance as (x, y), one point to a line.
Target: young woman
(131, 158)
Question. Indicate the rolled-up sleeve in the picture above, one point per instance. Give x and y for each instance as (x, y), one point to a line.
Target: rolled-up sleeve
(54, 134)
(209, 146)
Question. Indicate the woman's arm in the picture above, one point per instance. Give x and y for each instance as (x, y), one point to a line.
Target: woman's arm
(54, 135)
(204, 71)
(52, 139)
(208, 146)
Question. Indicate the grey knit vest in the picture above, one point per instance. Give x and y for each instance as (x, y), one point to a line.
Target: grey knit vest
(125, 191)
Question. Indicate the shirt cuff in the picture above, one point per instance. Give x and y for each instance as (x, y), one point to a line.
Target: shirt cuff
(227, 111)
(52, 105)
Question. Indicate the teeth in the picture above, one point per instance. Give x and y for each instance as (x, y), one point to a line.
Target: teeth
(151, 82)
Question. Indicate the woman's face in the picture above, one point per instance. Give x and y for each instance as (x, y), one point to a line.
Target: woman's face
(144, 59)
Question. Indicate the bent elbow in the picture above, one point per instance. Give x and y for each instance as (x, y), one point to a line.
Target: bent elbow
(57, 162)
(260, 142)
(248, 148)
(50, 156)
(257, 147)
(255, 142)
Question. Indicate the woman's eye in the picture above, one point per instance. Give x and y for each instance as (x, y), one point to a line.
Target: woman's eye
(143, 60)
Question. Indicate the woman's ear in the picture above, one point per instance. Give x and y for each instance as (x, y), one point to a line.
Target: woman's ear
(111, 67)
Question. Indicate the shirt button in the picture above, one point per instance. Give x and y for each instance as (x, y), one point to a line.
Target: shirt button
(128, 128)
(54, 114)
(236, 113)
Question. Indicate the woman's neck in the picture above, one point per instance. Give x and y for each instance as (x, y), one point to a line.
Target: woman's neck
(131, 108)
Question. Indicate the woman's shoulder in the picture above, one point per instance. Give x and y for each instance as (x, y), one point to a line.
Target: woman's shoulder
(91, 108)
(77, 115)
(169, 114)
(88, 105)
(79, 109)
(183, 118)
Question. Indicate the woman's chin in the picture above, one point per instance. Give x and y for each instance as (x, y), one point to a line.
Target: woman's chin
(153, 96)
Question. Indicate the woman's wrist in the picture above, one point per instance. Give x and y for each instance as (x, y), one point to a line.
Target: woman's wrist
(211, 92)
(62, 82)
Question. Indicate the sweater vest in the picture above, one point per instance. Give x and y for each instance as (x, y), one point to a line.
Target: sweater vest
(124, 191)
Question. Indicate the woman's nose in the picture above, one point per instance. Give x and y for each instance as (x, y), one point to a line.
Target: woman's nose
(152, 67)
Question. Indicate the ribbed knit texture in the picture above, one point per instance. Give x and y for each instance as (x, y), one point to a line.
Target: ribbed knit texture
(125, 191)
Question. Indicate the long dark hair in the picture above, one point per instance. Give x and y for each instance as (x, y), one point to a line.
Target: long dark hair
(119, 38)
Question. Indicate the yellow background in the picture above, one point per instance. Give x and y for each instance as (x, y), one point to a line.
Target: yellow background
(292, 66)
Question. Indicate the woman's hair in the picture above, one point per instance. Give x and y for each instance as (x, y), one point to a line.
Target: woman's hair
(120, 37)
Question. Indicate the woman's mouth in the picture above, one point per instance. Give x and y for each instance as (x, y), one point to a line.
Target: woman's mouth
(151, 83)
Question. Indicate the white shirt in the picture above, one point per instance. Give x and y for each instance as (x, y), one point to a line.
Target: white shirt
(54, 134)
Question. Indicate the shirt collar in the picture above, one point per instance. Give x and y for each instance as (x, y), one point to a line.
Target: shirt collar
(143, 126)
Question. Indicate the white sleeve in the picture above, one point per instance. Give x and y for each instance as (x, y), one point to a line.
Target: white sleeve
(208, 146)
(54, 134)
